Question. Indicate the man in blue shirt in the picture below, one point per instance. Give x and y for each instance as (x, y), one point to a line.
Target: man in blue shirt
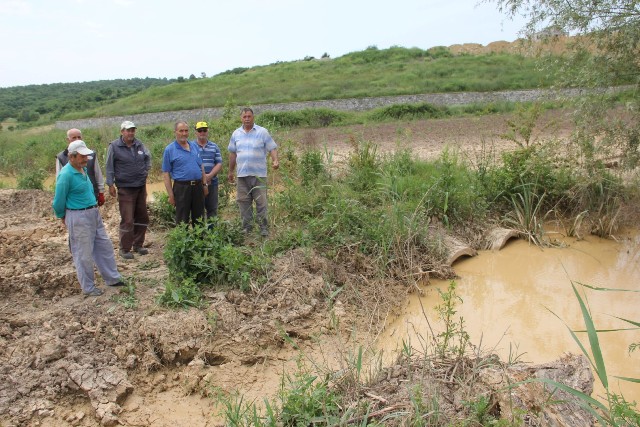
(182, 164)
(248, 148)
(212, 162)
(74, 203)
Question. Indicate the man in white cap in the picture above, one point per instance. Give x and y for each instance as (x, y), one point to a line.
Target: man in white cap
(127, 166)
(93, 168)
(75, 204)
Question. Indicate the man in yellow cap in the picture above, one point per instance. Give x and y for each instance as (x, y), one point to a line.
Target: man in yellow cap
(212, 162)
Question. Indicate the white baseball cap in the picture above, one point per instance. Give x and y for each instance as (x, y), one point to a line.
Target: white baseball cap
(127, 125)
(78, 146)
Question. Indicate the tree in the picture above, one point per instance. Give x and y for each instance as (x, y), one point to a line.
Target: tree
(602, 52)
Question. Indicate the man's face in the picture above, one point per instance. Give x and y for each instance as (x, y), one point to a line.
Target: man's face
(182, 133)
(74, 135)
(78, 160)
(247, 119)
(128, 135)
(203, 134)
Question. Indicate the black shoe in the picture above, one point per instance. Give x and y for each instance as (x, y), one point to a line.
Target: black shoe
(94, 293)
(141, 250)
(126, 255)
(120, 283)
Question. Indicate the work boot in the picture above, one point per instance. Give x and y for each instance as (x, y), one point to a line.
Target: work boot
(141, 250)
(94, 293)
(126, 255)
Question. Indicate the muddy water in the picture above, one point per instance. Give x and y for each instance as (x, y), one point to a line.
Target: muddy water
(508, 295)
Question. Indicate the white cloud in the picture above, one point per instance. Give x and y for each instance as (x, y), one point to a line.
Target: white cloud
(15, 7)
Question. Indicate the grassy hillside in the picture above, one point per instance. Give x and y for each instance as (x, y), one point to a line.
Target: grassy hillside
(369, 73)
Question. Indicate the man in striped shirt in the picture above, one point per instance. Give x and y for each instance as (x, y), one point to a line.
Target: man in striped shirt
(248, 148)
(212, 162)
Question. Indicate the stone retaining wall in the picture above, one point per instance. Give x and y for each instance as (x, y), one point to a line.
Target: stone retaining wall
(353, 104)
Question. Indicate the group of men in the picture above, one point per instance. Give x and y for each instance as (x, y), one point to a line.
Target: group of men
(190, 174)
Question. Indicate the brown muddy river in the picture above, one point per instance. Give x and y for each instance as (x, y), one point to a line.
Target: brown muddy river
(509, 296)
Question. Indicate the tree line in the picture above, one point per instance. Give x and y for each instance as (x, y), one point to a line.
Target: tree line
(28, 103)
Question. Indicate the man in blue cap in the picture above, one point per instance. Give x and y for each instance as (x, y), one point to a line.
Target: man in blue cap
(75, 204)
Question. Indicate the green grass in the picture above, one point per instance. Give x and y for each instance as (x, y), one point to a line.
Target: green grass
(369, 73)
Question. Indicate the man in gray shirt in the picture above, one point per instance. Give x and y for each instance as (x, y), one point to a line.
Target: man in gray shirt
(128, 164)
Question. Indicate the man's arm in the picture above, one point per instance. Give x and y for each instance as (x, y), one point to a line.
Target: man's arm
(147, 158)
(98, 173)
(110, 170)
(232, 166)
(166, 177)
(215, 171)
(274, 158)
(205, 186)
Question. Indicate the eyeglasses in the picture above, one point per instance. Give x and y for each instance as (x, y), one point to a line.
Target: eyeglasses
(202, 130)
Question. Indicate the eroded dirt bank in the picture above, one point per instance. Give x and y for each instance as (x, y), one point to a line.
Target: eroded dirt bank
(69, 360)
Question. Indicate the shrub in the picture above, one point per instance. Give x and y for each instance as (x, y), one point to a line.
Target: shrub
(32, 180)
(163, 213)
(409, 111)
(209, 253)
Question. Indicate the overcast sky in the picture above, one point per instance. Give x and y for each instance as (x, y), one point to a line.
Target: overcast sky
(53, 41)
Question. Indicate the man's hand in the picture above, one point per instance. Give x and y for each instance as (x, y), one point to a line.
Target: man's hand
(112, 190)
(100, 199)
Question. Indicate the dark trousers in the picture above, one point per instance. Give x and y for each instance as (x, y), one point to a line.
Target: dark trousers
(189, 202)
(134, 218)
(211, 201)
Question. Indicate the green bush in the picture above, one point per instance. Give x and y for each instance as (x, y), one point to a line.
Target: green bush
(163, 213)
(32, 180)
(210, 253)
(409, 111)
(308, 117)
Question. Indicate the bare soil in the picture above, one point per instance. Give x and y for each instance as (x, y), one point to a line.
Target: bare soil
(66, 360)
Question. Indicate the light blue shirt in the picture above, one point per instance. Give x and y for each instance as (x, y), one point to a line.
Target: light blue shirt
(74, 190)
(251, 149)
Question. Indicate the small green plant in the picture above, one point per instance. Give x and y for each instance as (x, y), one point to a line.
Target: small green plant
(163, 214)
(480, 411)
(32, 180)
(307, 400)
(526, 216)
(454, 339)
(183, 294)
(311, 166)
(127, 296)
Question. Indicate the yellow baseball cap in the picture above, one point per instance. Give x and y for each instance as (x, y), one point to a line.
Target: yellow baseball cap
(201, 125)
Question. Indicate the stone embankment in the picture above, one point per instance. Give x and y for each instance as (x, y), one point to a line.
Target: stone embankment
(353, 104)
